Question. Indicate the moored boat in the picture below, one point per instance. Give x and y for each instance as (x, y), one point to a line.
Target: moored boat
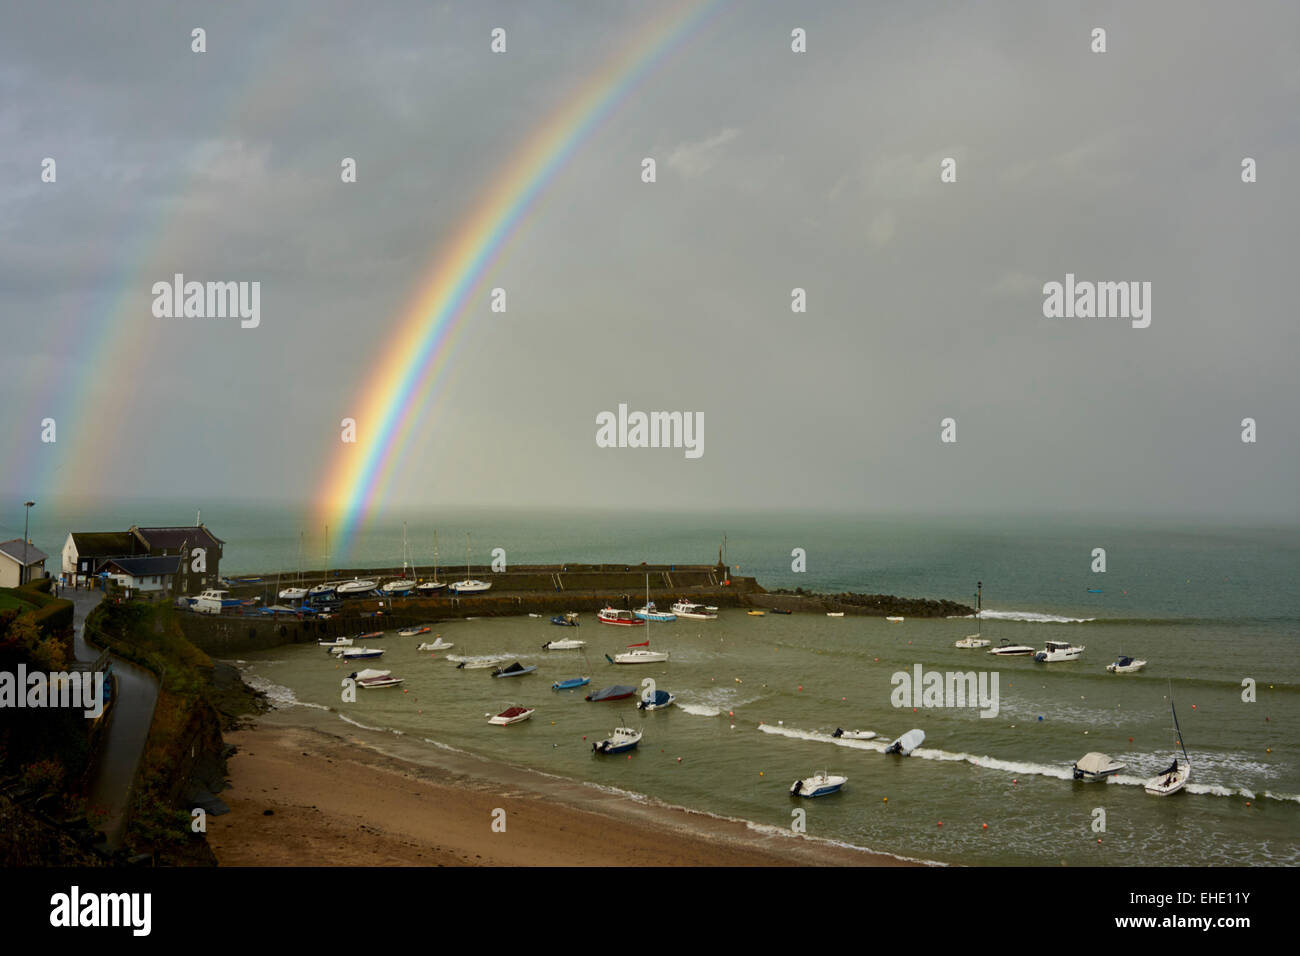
(1125, 665)
(570, 619)
(415, 631)
(652, 613)
(621, 740)
(694, 612)
(337, 642)
(356, 653)
(566, 644)
(512, 715)
(613, 692)
(571, 683)
(905, 744)
(854, 734)
(1175, 776)
(1056, 651)
(514, 670)
(894, 620)
(657, 701)
(610, 615)
(438, 644)
(1094, 766)
(834, 613)
(373, 678)
(1007, 649)
(818, 785)
(476, 663)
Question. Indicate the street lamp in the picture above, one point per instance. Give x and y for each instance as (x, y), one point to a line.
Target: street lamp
(27, 514)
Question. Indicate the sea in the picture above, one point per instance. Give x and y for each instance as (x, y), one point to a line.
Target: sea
(1213, 608)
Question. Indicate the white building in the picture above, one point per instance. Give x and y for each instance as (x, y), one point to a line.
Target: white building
(142, 574)
(12, 555)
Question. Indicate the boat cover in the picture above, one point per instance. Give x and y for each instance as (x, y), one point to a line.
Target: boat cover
(1098, 763)
(617, 690)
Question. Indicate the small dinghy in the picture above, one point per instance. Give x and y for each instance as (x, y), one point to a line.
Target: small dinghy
(514, 670)
(1092, 767)
(369, 636)
(613, 692)
(854, 734)
(372, 678)
(659, 701)
(621, 740)
(568, 620)
(905, 744)
(567, 644)
(834, 613)
(818, 785)
(357, 653)
(777, 610)
(337, 642)
(437, 645)
(894, 620)
(477, 663)
(415, 631)
(571, 683)
(756, 613)
(1125, 665)
(512, 715)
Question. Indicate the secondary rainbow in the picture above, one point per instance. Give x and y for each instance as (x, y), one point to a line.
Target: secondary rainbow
(402, 381)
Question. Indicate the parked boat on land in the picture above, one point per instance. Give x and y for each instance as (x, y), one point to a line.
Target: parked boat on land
(512, 715)
(356, 586)
(818, 785)
(212, 601)
(620, 741)
(469, 585)
(433, 584)
(405, 584)
(1092, 767)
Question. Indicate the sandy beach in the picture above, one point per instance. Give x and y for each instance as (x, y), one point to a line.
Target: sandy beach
(343, 799)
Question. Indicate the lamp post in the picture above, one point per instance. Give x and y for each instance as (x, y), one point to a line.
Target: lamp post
(27, 514)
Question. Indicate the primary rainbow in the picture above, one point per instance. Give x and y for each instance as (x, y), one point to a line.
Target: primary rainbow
(400, 383)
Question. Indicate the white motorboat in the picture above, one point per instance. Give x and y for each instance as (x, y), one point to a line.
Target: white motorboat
(469, 585)
(976, 639)
(834, 613)
(894, 620)
(905, 744)
(356, 653)
(567, 644)
(356, 586)
(623, 738)
(337, 642)
(512, 715)
(1125, 665)
(638, 655)
(1174, 777)
(657, 701)
(694, 612)
(476, 663)
(373, 678)
(1092, 767)
(818, 785)
(612, 615)
(1056, 651)
(415, 631)
(212, 601)
(1007, 649)
(854, 734)
(436, 645)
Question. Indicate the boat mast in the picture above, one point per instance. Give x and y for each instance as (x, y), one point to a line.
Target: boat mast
(979, 606)
(1177, 730)
(435, 555)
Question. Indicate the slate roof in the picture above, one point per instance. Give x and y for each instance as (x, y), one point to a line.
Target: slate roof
(14, 549)
(195, 536)
(102, 544)
(143, 567)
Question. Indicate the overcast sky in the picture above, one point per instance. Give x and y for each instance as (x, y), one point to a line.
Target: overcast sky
(775, 170)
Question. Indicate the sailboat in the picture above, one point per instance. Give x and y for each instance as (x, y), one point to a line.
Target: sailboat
(405, 584)
(1175, 776)
(298, 592)
(433, 584)
(469, 585)
(325, 588)
(976, 639)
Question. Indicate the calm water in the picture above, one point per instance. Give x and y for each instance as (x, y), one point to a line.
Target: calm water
(1208, 607)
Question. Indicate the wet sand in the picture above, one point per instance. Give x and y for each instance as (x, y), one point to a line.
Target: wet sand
(340, 797)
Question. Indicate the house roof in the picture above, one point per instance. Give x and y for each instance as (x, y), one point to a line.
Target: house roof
(176, 537)
(14, 549)
(141, 567)
(101, 544)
